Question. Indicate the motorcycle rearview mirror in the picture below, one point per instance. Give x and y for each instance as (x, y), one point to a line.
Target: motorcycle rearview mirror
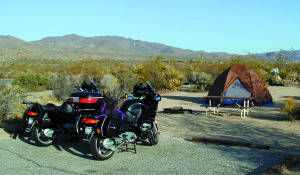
(158, 97)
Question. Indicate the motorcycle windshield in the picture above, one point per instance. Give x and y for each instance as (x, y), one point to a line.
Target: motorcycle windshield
(94, 84)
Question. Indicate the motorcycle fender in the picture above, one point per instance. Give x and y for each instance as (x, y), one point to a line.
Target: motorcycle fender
(29, 120)
(30, 124)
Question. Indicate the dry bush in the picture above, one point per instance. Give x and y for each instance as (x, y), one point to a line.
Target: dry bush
(200, 82)
(291, 109)
(11, 98)
(64, 85)
(110, 86)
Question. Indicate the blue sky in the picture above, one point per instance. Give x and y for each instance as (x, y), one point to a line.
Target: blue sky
(232, 26)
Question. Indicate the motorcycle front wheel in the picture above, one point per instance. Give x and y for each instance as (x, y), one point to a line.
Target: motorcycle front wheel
(40, 138)
(153, 135)
(98, 151)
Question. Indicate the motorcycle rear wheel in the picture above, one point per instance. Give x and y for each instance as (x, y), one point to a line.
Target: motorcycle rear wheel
(98, 151)
(153, 135)
(39, 137)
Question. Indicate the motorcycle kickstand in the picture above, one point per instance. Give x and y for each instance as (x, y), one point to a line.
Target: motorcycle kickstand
(134, 147)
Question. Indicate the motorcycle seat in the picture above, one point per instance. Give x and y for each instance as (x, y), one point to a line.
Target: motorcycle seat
(64, 108)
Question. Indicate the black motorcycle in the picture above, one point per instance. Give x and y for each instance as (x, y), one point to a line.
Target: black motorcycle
(49, 122)
(135, 121)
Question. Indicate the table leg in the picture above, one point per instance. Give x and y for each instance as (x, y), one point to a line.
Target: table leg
(248, 107)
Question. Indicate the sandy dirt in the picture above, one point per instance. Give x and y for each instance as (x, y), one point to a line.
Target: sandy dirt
(264, 126)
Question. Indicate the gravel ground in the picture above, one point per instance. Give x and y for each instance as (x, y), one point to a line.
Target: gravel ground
(172, 155)
(175, 153)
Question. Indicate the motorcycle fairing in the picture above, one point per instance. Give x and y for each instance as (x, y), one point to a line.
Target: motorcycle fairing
(133, 111)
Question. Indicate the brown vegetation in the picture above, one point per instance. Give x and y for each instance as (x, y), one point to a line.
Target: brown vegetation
(36, 71)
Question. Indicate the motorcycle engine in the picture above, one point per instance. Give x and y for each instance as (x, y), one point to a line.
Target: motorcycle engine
(108, 143)
(48, 133)
(114, 143)
(129, 136)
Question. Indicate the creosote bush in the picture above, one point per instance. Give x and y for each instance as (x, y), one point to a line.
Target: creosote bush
(11, 96)
(200, 82)
(291, 109)
(32, 81)
(110, 86)
(64, 85)
(159, 74)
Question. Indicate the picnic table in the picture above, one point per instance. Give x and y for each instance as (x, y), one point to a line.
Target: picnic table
(217, 102)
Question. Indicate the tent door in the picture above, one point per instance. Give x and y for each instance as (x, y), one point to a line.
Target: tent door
(237, 90)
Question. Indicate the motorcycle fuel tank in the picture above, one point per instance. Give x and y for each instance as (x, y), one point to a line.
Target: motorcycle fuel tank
(86, 100)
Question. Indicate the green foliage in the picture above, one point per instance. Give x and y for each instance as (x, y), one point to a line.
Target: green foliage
(291, 109)
(283, 74)
(126, 79)
(31, 81)
(159, 74)
(10, 97)
(200, 82)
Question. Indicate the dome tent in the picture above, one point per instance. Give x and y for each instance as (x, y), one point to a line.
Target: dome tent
(241, 81)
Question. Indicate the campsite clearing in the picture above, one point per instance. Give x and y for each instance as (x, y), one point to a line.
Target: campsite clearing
(265, 126)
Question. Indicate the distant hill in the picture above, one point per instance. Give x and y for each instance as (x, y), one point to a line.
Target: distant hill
(107, 45)
(297, 54)
(111, 45)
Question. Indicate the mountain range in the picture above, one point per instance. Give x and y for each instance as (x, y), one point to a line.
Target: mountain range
(109, 45)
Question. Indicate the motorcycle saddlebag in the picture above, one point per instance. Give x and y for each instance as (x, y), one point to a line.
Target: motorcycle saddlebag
(116, 125)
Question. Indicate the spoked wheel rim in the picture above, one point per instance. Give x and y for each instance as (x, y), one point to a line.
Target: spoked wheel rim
(42, 137)
(153, 135)
(101, 150)
(98, 151)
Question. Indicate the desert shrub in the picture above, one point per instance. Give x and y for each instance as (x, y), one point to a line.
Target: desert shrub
(160, 75)
(200, 82)
(291, 109)
(110, 86)
(52, 78)
(64, 85)
(284, 74)
(126, 78)
(31, 81)
(11, 98)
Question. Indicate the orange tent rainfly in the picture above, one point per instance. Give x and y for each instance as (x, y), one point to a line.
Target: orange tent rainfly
(241, 81)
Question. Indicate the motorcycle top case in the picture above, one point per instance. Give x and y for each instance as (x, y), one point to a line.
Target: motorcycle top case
(86, 100)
